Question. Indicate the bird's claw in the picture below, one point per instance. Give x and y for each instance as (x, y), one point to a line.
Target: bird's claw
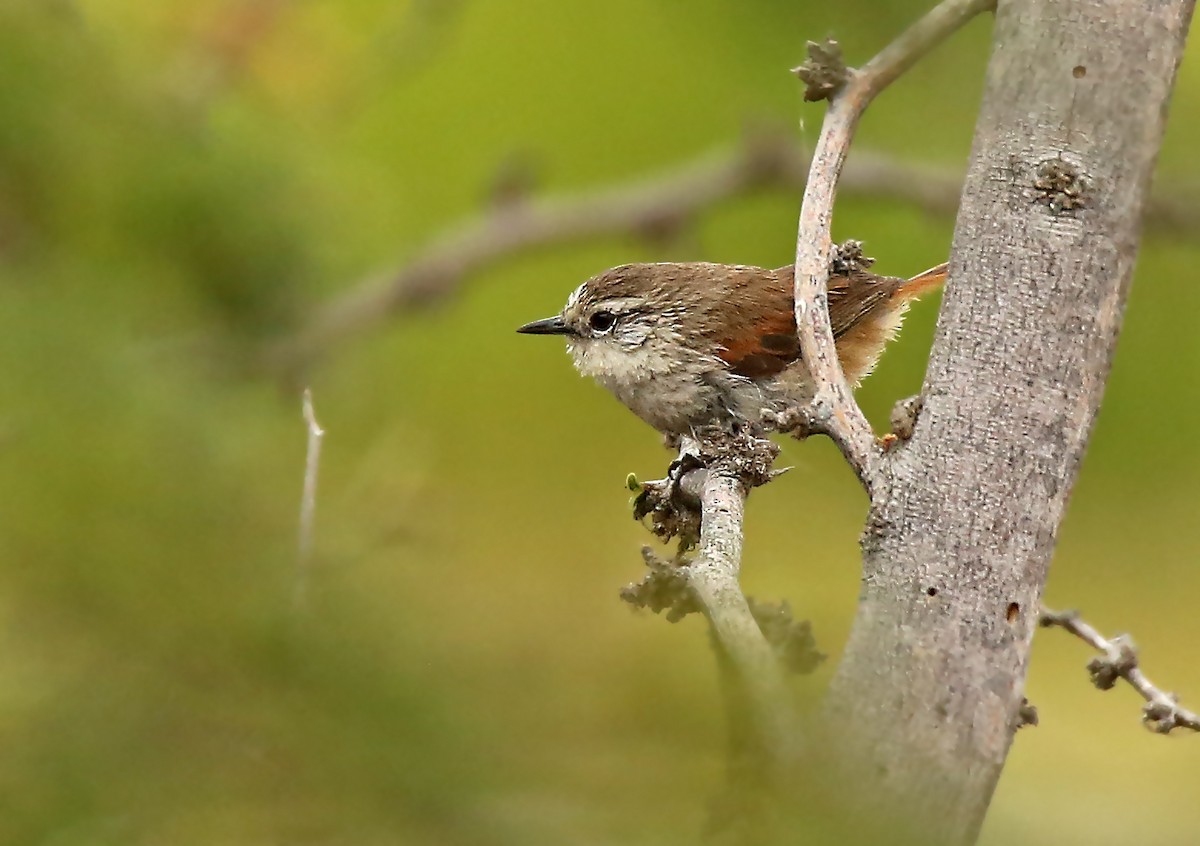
(668, 507)
(680, 467)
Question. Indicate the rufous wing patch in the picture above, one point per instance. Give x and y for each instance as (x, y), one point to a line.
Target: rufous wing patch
(759, 332)
(759, 326)
(762, 350)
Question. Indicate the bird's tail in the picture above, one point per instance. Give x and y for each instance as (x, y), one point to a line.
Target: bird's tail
(923, 283)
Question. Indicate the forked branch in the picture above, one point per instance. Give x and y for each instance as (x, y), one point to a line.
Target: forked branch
(834, 410)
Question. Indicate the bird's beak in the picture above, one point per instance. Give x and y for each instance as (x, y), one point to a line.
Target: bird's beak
(548, 326)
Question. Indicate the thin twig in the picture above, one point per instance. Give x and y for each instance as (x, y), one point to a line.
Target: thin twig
(834, 409)
(705, 508)
(1120, 661)
(308, 500)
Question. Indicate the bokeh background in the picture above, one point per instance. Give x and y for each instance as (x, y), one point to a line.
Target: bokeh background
(183, 183)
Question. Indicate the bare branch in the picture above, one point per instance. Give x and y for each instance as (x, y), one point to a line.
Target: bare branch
(713, 577)
(308, 500)
(1120, 661)
(719, 470)
(643, 206)
(506, 230)
(835, 411)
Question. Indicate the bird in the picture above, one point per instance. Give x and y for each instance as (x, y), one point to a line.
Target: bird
(691, 345)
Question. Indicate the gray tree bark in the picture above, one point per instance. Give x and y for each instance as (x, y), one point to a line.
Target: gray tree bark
(962, 529)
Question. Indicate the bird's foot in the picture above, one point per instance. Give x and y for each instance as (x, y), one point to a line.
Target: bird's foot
(680, 467)
(672, 504)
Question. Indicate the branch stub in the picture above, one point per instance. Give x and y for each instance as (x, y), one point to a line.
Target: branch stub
(824, 72)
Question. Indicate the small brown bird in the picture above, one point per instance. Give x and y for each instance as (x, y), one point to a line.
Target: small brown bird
(690, 345)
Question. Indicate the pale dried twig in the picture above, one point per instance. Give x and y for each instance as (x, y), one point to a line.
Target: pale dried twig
(1162, 712)
(834, 410)
(308, 499)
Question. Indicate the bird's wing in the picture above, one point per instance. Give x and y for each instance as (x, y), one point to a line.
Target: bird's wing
(760, 331)
(757, 324)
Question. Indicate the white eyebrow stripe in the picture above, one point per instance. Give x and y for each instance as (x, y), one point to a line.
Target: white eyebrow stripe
(620, 305)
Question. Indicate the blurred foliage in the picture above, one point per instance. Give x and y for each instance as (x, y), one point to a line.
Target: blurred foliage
(181, 182)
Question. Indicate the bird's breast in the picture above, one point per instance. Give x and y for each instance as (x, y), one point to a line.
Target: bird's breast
(675, 391)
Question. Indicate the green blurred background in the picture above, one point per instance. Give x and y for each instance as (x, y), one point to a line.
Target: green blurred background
(181, 183)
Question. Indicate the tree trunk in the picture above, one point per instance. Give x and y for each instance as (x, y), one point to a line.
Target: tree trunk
(958, 542)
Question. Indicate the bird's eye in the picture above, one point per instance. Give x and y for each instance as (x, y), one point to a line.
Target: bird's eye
(602, 321)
